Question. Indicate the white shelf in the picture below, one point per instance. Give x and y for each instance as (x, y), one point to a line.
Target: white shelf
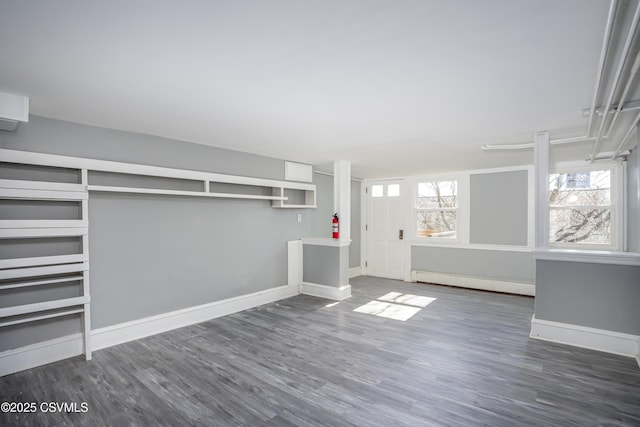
(24, 157)
(137, 190)
(31, 194)
(21, 273)
(42, 223)
(41, 317)
(40, 282)
(43, 260)
(75, 266)
(26, 233)
(309, 199)
(18, 310)
(42, 185)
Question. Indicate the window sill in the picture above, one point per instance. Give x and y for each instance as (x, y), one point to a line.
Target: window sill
(474, 246)
(588, 256)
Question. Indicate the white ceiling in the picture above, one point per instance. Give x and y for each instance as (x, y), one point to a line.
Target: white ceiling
(396, 87)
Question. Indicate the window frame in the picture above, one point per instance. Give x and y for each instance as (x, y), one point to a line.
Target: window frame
(461, 202)
(616, 205)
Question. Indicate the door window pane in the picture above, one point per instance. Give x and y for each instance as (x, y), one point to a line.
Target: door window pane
(393, 190)
(377, 191)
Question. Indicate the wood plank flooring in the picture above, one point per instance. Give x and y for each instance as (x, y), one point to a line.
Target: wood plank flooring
(463, 360)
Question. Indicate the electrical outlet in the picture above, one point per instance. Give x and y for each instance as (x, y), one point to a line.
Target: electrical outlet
(299, 217)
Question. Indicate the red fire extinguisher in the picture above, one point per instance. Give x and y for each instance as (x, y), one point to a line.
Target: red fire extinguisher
(335, 226)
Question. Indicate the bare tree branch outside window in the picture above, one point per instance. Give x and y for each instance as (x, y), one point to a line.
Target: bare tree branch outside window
(437, 206)
(580, 207)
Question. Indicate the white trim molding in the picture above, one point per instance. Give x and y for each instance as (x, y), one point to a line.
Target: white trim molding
(541, 188)
(472, 246)
(355, 272)
(41, 353)
(324, 291)
(594, 257)
(485, 284)
(294, 263)
(322, 241)
(136, 329)
(69, 346)
(585, 337)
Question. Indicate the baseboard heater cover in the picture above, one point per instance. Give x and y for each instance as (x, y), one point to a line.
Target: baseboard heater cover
(471, 282)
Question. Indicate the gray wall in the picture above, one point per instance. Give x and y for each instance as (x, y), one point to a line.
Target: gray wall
(633, 201)
(152, 254)
(320, 262)
(70, 139)
(598, 296)
(499, 208)
(498, 216)
(356, 221)
(499, 265)
(321, 217)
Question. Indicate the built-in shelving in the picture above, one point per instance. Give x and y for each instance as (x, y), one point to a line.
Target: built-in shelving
(41, 271)
(112, 189)
(11, 189)
(308, 198)
(73, 269)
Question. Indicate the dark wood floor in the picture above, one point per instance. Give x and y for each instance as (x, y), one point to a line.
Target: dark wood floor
(463, 360)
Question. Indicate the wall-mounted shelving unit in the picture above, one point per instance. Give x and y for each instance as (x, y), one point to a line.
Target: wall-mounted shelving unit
(277, 196)
(68, 269)
(41, 271)
(307, 198)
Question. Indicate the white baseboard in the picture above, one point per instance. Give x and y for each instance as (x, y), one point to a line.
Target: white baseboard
(324, 291)
(136, 329)
(519, 288)
(40, 353)
(355, 272)
(585, 337)
(61, 348)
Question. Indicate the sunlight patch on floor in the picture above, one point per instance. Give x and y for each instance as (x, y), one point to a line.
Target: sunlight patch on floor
(395, 305)
(407, 299)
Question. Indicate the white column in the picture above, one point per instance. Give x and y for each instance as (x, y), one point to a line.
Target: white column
(541, 174)
(342, 197)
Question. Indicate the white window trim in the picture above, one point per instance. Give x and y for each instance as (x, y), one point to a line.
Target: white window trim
(462, 229)
(617, 204)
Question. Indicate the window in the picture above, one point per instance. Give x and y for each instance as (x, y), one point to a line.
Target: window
(437, 209)
(582, 209)
(393, 190)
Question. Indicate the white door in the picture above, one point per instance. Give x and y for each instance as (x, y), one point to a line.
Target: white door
(384, 229)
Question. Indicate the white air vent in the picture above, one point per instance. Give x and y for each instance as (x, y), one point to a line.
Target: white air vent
(298, 172)
(14, 109)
